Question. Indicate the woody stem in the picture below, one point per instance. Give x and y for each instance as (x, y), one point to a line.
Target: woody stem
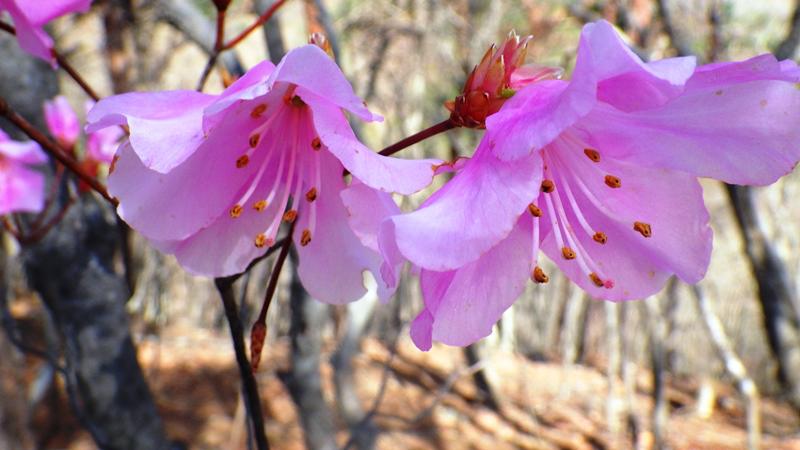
(433, 130)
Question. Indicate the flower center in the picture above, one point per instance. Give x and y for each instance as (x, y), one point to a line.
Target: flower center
(287, 181)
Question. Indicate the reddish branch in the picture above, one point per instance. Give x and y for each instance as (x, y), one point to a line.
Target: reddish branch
(62, 62)
(54, 150)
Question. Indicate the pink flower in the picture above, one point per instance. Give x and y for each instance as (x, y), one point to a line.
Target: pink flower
(209, 178)
(600, 174)
(62, 121)
(21, 189)
(30, 18)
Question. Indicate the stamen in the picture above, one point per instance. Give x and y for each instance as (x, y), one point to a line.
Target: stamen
(548, 186)
(262, 240)
(253, 141)
(256, 112)
(573, 203)
(539, 276)
(305, 238)
(242, 161)
(643, 229)
(596, 280)
(534, 210)
(592, 154)
(613, 182)
(567, 253)
(600, 237)
(260, 205)
(316, 144)
(311, 195)
(297, 101)
(290, 216)
(236, 211)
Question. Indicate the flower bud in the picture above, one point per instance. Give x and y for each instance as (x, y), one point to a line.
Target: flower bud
(494, 80)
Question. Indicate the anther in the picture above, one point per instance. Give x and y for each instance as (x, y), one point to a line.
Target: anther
(311, 195)
(643, 229)
(290, 215)
(258, 110)
(242, 161)
(548, 186)
(600, 237)
(261, 240)
(613, 182)
(539, 276)
(260, 205)
(567, 253)
(297, 101)
(596, 279)
(305, 238)
(535, 210)
(316, 144)
(254, 140)
(592, 154)
(236, 211)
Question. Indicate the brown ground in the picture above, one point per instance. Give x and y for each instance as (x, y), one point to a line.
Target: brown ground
(543, 405)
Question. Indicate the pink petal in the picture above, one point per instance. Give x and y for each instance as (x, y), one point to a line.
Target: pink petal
(28, 152)
(404, 176)
(165, 127)
(367, 208)
(462, 306)
(670, 202)
(251, 85)
(743, 133)
(606, 69)
(62, 121)
(21, 189)
(471, 213)
(30, 18)
(312, 69)
(193, 194)
(331, 265)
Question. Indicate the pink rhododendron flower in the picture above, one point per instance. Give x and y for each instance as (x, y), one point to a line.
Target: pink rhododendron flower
(209, 178)
(600, 174)
(62, 121)
(30, 18)
(21, 188)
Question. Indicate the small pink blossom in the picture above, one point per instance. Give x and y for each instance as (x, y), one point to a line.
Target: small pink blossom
(21, 188)
(210, 178)
(600, 174)
(62, 121)
(31, 16)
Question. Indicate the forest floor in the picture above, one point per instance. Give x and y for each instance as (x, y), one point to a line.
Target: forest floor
(429, 401)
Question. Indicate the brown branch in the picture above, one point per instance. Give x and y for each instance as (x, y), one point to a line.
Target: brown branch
(62, 62)
(259, 330)
(54, 150)
(252, 400)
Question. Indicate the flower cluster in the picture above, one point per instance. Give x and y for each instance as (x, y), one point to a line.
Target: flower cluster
(598, 172)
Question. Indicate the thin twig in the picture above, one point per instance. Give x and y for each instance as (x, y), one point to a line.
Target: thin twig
(420, 136)
(54, 149)
(261, 19)
(252, 400)
(62, 62)
(219, 47)
(258, 332)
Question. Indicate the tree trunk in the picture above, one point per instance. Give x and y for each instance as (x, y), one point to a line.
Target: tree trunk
(71, 270)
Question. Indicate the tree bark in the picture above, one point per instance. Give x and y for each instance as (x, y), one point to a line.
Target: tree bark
(71, 270)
